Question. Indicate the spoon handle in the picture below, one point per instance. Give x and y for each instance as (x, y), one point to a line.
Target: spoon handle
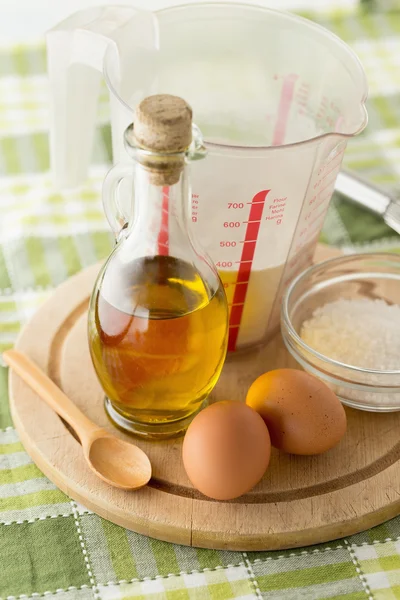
(49, 392)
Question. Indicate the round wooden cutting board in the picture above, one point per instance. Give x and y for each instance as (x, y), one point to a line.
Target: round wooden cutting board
(300, 501)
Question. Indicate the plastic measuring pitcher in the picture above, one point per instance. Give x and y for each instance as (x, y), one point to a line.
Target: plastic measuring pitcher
(276, 98)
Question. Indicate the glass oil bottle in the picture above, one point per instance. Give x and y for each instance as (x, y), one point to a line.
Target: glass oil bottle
(158, 317)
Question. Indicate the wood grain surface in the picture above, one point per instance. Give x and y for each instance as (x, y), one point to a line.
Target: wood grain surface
(300, 501)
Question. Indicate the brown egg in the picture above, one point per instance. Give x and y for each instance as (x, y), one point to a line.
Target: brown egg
(302, 414)
(226, 450)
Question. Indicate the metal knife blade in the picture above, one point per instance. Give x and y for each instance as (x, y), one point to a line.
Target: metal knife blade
(370, 196)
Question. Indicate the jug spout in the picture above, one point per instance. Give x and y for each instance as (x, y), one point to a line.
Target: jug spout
(75, 53)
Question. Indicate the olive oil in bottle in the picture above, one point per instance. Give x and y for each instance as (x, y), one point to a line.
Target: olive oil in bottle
(158, 319)
(160, 350)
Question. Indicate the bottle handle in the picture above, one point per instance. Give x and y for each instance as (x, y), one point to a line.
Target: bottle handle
(117, 215)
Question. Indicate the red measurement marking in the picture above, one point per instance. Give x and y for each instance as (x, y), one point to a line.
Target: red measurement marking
(285, 103)
(246, 261)
(163, 235)
(330, 182)
(334, 158)
(244, 272)
(248, 250)
(252, 229)
(335, 166)
(236, 315)
(258, 202)
(256, 212)
(240, 293)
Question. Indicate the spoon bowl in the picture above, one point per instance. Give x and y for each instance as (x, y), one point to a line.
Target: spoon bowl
(118, 463)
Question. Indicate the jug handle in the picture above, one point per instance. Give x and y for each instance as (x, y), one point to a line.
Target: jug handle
(116, 216)
(76, 48)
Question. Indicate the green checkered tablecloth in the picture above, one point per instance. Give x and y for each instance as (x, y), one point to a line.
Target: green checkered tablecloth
(49, 545)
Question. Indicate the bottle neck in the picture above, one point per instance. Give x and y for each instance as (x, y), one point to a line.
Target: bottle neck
(161, 212)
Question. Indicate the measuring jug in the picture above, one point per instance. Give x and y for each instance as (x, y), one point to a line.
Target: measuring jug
(276, 97)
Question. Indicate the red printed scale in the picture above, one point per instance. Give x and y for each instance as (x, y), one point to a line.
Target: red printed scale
(245, 266)
(163, 235)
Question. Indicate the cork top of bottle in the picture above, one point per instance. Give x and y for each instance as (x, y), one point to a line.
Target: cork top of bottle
(163, 123)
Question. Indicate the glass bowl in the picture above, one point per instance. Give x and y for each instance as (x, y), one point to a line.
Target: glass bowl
(374, 276)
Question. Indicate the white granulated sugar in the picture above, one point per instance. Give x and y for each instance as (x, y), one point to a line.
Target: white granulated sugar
(361, 332)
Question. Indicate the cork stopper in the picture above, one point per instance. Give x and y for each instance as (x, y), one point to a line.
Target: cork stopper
(163, 123)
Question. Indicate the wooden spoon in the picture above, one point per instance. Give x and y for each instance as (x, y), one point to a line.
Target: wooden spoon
(116, 462)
